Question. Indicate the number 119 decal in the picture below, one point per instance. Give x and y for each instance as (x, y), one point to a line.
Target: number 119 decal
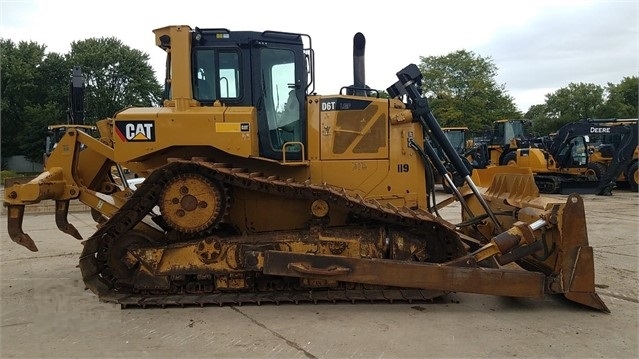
(402, 167)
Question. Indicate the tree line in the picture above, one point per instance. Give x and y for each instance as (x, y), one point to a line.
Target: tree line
(461, 88)
(462, 91)
(35, 88)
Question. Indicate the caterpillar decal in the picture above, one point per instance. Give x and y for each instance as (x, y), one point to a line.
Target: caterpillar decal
(135, 131)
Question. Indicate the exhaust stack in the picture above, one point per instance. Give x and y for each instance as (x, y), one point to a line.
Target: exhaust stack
(359, 68)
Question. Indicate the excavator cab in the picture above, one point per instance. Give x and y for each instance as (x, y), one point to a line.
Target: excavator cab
(573, 153)
(75, 114)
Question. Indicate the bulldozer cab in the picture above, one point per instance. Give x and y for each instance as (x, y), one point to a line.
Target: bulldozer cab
(270, 71)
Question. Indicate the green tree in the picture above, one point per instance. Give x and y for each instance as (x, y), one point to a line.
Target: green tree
(35, 88)
(585, 100)
(17, 70)
(48, 106)
(541, 124)
(622, 98)
(462, 90)
(117, 76)
(573, 103)
(32, 97)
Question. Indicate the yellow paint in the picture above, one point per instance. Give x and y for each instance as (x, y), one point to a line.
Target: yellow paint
(227, 127)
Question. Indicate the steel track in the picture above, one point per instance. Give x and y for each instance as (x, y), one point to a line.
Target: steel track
(100, 278)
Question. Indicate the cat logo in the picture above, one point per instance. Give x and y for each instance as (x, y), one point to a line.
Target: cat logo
(135, 131)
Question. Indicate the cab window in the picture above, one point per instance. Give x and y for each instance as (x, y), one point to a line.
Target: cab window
(216, 74)
(280, 100)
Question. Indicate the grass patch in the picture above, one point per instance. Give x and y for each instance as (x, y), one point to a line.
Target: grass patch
(4, 174)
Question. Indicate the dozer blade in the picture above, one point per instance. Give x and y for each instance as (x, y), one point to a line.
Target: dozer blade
(582, 281)
(562, 252)
(578, 267)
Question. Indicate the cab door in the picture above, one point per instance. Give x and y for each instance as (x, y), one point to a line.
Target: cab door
(279, 94)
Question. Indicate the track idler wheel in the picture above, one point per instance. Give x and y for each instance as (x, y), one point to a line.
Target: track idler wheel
(192, 203)
(122, 264)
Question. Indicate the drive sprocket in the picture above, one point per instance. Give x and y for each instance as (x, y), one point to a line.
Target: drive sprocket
(192, 203)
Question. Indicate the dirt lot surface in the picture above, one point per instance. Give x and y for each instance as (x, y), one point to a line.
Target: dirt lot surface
(46, 312)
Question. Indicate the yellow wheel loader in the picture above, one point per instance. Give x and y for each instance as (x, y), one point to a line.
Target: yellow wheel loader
(459, 138)
(257, 190)
(501, 142)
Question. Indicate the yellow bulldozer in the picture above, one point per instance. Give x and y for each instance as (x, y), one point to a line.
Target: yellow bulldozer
(248, 198)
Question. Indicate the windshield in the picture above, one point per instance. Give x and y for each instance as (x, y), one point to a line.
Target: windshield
(514, 129)
(457, 139)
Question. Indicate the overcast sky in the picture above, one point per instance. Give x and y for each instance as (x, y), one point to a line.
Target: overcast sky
(538, 46)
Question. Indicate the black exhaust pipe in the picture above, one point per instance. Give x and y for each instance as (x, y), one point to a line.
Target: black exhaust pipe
(359, 68)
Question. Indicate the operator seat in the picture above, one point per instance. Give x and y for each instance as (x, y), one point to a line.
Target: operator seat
(290, 119)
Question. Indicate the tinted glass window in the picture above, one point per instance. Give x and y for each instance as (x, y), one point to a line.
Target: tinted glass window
(217, 75)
